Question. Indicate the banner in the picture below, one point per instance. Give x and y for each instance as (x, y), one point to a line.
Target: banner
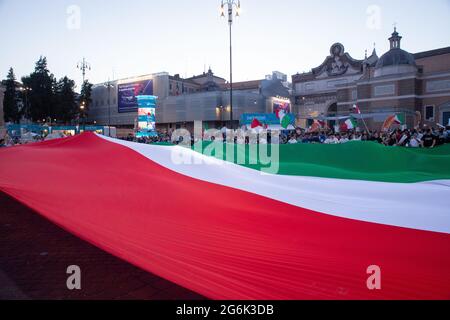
(265, 118)
(128, 92)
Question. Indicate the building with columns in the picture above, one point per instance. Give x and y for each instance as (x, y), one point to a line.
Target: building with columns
(416, 85)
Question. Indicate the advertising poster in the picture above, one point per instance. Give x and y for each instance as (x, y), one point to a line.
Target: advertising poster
(128, 92)
(146, 116)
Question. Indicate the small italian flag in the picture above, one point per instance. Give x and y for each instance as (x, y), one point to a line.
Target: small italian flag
(356, 109)
(399, 119)
(349, 124)
(256, 124)
(393, 119)
(287, 120)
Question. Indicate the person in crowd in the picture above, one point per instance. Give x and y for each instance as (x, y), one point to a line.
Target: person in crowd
(240, 139)
(322, 137)
(403, 139)
(428, 139)
(344, 139)
(414, 142)
(293, 139)
(391, 140)
(376, 137)
(365, 136)
(331, 140)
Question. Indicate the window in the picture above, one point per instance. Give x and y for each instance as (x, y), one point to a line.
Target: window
(354, 95)
(334, 83)
(385, 90)
(438, 85)
(446, 118)
(429, 113)
(309, 87)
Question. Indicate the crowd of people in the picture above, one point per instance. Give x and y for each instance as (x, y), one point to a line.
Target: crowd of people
(412, 138)
(161, 137)
(9, 141)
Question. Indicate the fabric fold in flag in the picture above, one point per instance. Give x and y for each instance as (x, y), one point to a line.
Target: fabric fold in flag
(229, 232)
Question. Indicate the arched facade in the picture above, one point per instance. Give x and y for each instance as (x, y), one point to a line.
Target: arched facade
(397, 83)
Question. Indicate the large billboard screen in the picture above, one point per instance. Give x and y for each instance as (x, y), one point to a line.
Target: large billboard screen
(281, 105)
(146, 116)
(127, 93)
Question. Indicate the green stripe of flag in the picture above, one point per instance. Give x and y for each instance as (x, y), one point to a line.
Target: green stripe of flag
(355, 160)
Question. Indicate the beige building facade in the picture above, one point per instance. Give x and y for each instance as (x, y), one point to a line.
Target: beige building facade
(415, 85)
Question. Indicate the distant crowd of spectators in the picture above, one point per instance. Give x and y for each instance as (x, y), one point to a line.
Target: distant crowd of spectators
(412, 138)
(161, 137)
(29, 137)
(8, 141)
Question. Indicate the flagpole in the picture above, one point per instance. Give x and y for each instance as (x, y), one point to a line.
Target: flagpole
(364, 121)
(358, 111)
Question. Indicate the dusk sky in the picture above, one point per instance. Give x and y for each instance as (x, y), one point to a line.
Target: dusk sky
(130, 38)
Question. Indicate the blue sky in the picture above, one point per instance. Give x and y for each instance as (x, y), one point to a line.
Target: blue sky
(126, 38)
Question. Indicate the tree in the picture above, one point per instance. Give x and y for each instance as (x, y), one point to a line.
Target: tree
(41, 99)
(10, 102)
(86, 95)
(66, 106)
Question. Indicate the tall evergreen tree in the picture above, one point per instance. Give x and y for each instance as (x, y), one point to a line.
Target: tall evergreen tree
(66, 106)
(86, 95)
(41, 98)
(11, 101)
(86, 98)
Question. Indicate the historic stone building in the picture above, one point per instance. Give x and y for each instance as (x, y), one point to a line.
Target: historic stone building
(416, 85)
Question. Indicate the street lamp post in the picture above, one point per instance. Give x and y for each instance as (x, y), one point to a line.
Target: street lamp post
(82, 108)
(26, 110)
(220, 111)
(231, 5)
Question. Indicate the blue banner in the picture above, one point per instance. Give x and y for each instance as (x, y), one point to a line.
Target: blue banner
(264, 118)
(127, 94)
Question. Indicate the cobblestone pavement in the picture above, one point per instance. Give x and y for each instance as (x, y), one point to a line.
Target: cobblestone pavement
(35, 254)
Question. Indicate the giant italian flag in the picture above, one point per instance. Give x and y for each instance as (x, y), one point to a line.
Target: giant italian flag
(228, 231)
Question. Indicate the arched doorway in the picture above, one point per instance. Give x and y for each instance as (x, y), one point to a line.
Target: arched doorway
(332, 112)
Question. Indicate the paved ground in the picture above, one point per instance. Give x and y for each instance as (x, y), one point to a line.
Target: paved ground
(35, 254)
